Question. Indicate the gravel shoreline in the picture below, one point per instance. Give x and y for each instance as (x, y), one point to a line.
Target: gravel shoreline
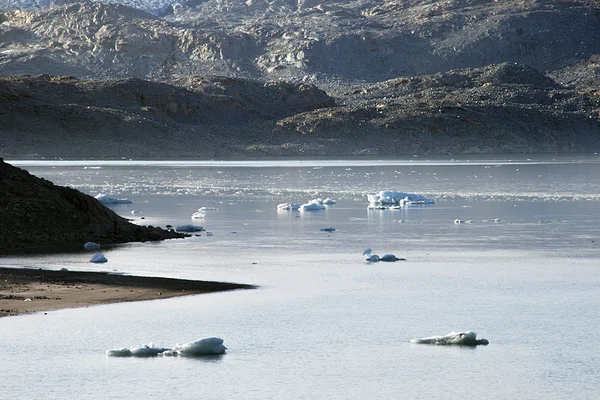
(28, 290)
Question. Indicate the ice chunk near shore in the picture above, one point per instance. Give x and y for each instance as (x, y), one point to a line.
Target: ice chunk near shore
(189, 228)
(397, 199)
(467, 338)
(91, 246)
(104, 199)
(98, 259)
(201, 347)
(119, 353)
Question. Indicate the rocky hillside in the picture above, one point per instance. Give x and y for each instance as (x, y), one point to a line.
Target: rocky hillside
(342, 77)
(502, 108)
(327, 42)
(36, 214)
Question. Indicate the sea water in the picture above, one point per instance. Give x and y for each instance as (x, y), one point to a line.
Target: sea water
(522, 273)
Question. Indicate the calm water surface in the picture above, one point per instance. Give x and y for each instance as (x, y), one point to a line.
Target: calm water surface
(325, 324)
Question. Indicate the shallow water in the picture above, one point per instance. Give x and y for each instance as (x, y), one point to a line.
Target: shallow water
(325, 324)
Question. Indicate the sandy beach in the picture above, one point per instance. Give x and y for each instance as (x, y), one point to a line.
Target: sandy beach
(30, 290)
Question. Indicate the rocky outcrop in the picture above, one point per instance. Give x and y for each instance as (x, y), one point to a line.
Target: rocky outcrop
(36, 214)
(367, 77)
(504, 108)
(326, 42)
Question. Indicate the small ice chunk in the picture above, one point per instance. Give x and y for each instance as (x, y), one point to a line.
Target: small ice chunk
(198, 215)
(288, 206)
(205, 209)
(328, 201)
(189, 228)
(104, 199)
(91, 246)
(397, 198)
(205, 346)
(119, 352)
(330, 229)
(147, 350)
(313, 205)
(98, 259)
(467, 338)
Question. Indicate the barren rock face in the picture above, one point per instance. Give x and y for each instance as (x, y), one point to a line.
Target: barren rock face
(37, 214)
(209, 78)
(324, 42)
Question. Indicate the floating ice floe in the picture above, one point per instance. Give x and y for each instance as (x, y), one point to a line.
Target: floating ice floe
(98, 259)
(189, 228)
(288, 207)
(202, 347)
(313, 205)
(462, 221)
(104, 199)
(330, 229)
(198, 215)
(91, 246)
(205, 209)
(385, 257)
(389, 199)
(467, 338)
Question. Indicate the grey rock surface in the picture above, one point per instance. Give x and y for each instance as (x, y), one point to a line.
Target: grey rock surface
(36, 214)
(401, 77)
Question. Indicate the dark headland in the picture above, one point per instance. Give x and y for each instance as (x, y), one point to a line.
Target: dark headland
(37, 215)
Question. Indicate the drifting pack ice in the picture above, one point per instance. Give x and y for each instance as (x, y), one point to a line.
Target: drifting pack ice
(467, 338)
(312, 205)
(104, 199)
(386, 199)
(202, 347)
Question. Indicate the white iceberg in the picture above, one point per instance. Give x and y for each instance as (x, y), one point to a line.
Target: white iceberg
(288, 206)
(147, 350)
(201, 347)
(205, 209)
(198, 215)
(467, 338)
(104, 199)
(189, 228)
(313, 205)
(91, 246)
(392, 198)
(205, 346)
(119, 353)
(328, 202)
(98, 259)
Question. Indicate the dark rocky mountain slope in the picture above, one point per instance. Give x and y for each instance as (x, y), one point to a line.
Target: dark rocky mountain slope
(36, 214)
(397, 77)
